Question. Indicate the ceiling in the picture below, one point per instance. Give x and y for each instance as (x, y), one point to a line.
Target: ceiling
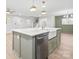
(22, 7)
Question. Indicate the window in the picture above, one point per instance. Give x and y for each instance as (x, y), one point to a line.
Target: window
(67, 21)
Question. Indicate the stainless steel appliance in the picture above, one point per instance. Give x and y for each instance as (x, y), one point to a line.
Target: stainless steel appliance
(41, 46)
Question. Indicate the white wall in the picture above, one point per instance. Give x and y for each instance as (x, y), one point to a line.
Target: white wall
(63, 12)
(46, 22)
(15, 22)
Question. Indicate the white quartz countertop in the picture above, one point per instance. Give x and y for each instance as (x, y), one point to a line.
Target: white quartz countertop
(35, 31)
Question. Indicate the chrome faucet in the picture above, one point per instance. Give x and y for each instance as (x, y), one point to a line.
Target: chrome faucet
(43, 25)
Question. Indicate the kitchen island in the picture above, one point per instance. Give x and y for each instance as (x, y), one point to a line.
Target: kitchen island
(26, 45)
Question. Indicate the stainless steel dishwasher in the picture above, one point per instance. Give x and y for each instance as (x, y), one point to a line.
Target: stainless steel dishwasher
(41, 46)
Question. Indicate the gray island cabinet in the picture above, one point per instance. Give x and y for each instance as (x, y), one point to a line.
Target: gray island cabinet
(28, 44)
(35, 43)
(54, 42)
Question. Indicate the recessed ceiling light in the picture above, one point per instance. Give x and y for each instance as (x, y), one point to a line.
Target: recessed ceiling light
(43, 2)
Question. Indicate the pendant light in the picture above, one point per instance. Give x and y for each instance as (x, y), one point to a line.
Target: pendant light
(71, 15)
(33, 8)
(66, 15)
(43, 12)
(43, 2)
(9, 11)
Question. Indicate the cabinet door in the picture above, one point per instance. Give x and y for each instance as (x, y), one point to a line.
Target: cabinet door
(42, 47)
(58, 38)
(26, 47)
(52, 44)
(16, 43)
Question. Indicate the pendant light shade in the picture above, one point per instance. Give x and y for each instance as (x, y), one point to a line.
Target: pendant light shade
(33, 8)
(43, 2)
(9, 11)
(43, 13)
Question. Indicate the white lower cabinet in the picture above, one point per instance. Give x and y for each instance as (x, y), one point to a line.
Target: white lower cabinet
(52, 44)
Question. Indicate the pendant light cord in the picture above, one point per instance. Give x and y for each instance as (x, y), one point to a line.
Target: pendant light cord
(33, 2)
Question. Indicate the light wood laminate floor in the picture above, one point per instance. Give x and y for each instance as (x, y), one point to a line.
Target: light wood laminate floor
(65, 51)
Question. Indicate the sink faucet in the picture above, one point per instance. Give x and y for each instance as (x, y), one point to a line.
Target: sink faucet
(43, 25)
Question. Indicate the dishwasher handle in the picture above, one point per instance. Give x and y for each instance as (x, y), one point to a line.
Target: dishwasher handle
(39, 38)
